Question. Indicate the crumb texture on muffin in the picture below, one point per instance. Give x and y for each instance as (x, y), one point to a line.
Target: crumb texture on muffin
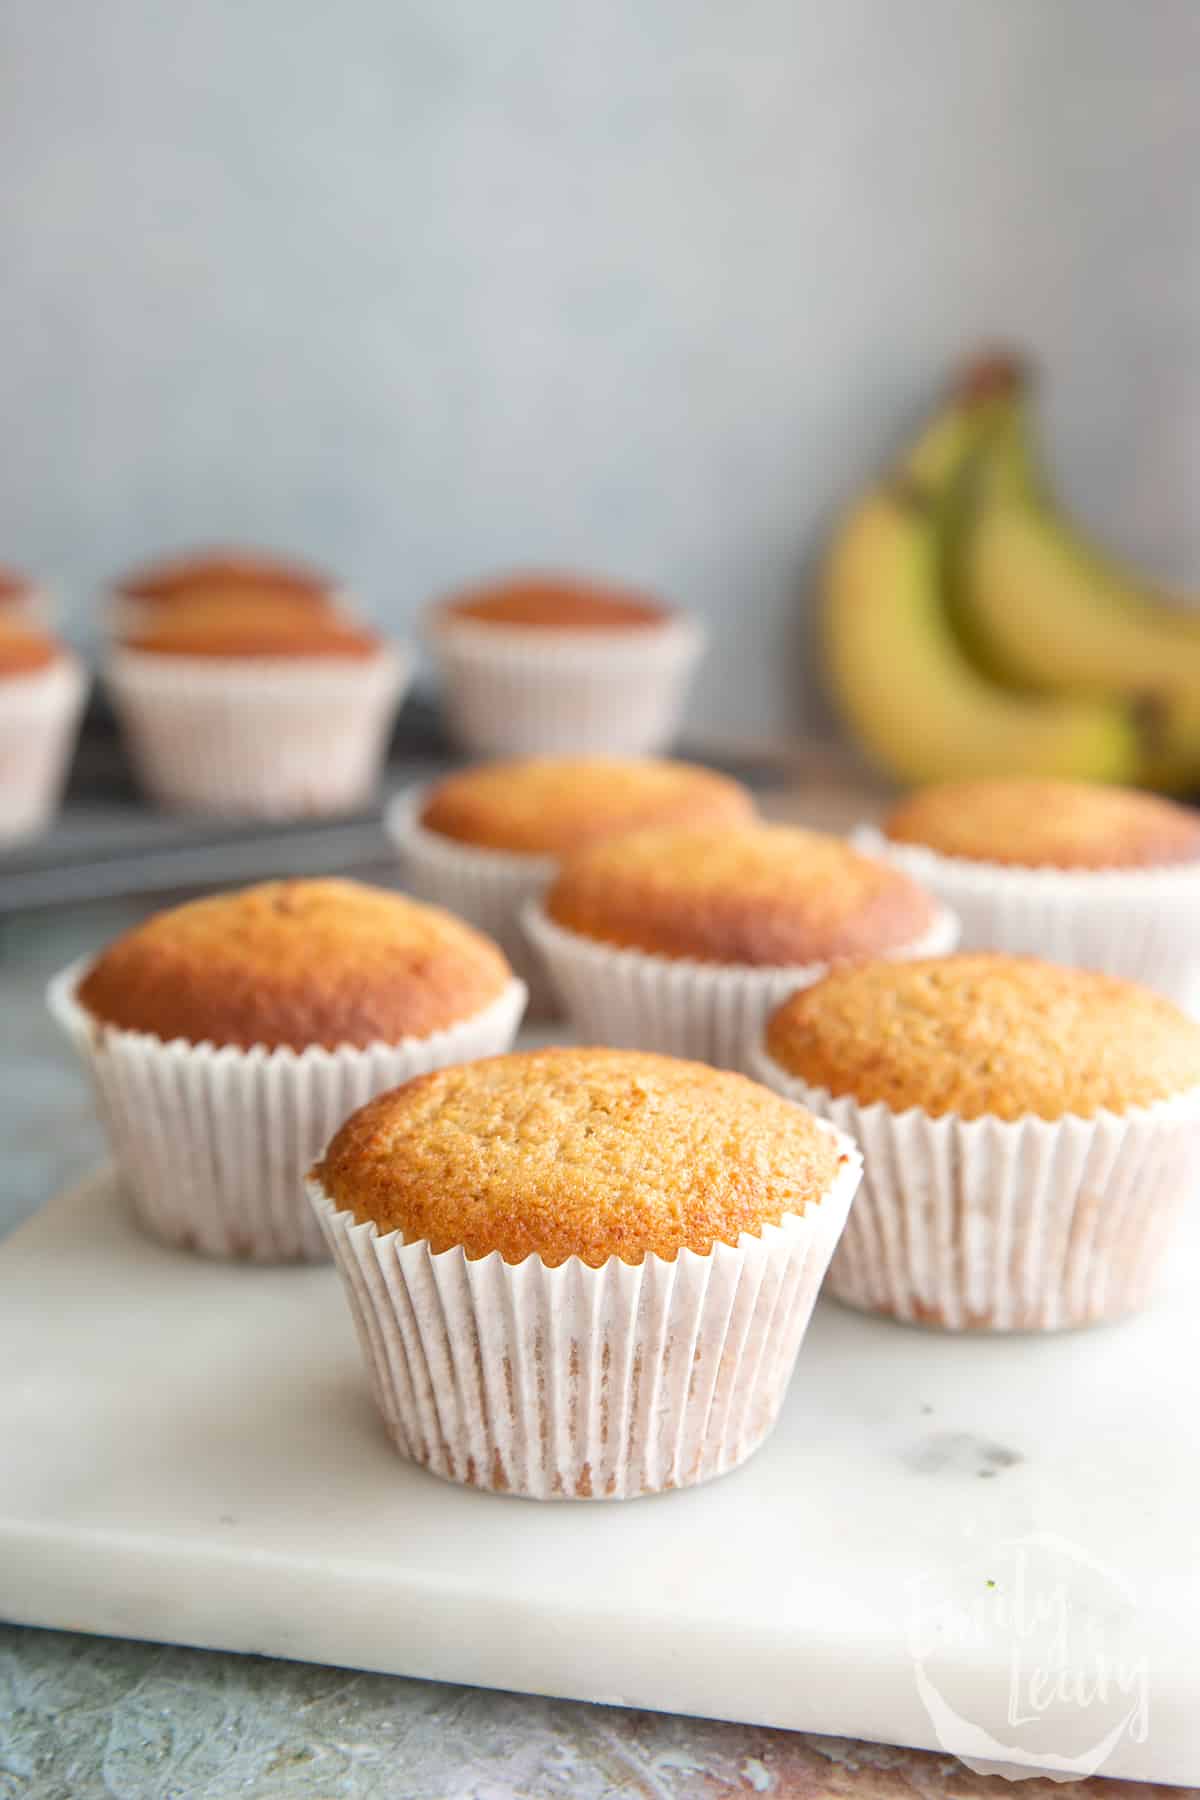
(1047, 824)
(230, 575)
(986, 1034)
(588, 1153)
(24, 649)
(767, 895)
(556, 603)
(550, 805)
(253, 628)
(294, 963)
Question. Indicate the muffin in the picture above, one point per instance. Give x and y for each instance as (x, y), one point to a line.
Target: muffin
(582, 1274)
(42, 690)
(684, 939)
(487, 840)
(226, 577)
(1029, 1132)
(261, 710)
(557, 664)
(1100, 877)
(227, 1038)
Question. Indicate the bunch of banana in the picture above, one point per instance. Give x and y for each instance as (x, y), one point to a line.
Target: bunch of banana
(970, 630)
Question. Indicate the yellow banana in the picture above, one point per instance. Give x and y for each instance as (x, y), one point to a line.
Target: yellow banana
(913, 698)
(1045, 610)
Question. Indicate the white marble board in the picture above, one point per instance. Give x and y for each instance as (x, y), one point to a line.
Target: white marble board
(188, 1453)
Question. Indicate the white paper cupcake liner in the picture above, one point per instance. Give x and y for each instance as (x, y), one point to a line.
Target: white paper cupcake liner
(710, 1012)
(1006, 1225)
(39, 717)
(1143, 924)
(578, 1383)
(262, 738)
(488, 888)
(520, 692)
(213, 1143)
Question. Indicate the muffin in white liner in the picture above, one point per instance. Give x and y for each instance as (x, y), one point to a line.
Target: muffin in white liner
(261, 736)
(685, 940)
(213, 1142)
(228, 1038)
(515, 691)
(555, 801)
(1099, 877)
(39, 717)
(574, 1381)
(1141, 924)
(990, 1223)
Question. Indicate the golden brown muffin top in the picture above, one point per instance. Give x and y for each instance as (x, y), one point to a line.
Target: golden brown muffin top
(296, 963)
(983, 1033)
(771, 895)
(24, 649)
(556, 603)
(1047, 824)
(229, 575)
(274, 628)
(588, 1153)
(546, 806)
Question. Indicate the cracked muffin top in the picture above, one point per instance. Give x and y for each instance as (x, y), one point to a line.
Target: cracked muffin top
(295, 963)
(588, 1153)
(1047, 824)
(769, 895)
(553, 603)
(547, 806)
(986, 1034)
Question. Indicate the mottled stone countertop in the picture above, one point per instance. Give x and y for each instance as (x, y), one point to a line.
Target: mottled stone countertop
(85, 1717)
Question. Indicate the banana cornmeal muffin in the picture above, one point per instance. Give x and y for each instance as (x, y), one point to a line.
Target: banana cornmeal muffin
(981, 1034)
(230, 577)
(229, 1036)
(702, 1211)
(1029, 1132)
(1047, 824)
(761, 895)
(561, 665)
(253, 628)
(294, 963)
(554, 603)
(548, 806)
(1097, 877)
(588, 1153)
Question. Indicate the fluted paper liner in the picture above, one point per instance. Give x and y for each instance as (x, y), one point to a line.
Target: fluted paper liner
(521, 692)
(213, 1142)
(488, 888)
(39, 715)
(579, 1383)
(261, 737)
(1006, 1225)
(710, 1012)
(1138, 923)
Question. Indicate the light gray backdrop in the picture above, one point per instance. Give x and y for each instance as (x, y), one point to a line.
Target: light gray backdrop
(429, 287)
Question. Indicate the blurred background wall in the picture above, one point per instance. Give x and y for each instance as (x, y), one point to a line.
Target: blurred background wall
(427, 288)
